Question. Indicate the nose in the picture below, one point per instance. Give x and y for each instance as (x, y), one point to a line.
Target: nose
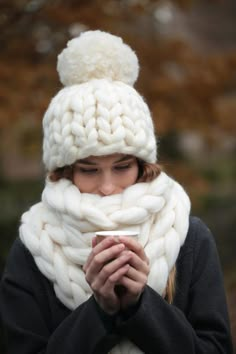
(107, 186)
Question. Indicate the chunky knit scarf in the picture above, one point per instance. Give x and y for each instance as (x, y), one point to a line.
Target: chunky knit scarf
(58, 232)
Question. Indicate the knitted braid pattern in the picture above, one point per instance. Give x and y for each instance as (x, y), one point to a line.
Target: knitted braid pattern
(58, 232)
(97, 118)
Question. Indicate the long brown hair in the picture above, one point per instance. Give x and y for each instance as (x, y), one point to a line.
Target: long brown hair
(147, 173)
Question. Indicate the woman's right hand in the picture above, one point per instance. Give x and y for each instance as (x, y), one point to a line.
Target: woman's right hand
(104, 268)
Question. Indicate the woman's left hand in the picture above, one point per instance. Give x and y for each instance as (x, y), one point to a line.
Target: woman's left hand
(134, 281)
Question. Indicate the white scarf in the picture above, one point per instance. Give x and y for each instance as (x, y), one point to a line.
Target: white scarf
(58, 232)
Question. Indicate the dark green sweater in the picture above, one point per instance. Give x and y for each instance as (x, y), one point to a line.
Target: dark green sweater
(196, 323)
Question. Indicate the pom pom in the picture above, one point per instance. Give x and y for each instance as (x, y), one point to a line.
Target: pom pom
(97, 55)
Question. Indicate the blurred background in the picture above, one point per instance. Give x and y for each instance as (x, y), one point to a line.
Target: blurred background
(187, 53)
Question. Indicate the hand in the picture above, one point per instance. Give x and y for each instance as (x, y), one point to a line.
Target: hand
(134, 280)
(105, 267)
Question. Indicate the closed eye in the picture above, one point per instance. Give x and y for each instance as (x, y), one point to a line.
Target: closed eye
(87, 170)
(123, 167)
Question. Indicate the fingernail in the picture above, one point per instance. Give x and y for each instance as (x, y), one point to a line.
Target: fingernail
(121, 245)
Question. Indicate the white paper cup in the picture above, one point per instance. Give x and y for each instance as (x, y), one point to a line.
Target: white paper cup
(100, 235)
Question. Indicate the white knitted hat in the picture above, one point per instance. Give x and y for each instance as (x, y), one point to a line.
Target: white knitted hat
(98, 112)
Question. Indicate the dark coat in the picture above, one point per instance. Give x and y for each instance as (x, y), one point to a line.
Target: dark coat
(196, 323)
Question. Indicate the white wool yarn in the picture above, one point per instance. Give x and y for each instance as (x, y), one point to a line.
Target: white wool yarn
(63, 224)
(98, 112)
(58, 232)
(97, 118)
(97, 55)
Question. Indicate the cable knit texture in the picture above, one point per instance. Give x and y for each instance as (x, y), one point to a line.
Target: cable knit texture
(58, 232)
(97, 118)
(98, 112)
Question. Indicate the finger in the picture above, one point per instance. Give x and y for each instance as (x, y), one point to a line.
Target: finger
(118, 275)
(133, 285)
(94, 242)
(139, 264)
(102, 258)
(106, 243)
(110, 268)
(136, 276)
(134, 246)
(107, 290)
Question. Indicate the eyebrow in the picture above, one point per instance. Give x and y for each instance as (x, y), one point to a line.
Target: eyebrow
(91, 163)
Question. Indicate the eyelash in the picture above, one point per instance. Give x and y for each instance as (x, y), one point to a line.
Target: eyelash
(95, 170)
(123, 167)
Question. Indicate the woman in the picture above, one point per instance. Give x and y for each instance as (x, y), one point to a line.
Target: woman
(62, 292)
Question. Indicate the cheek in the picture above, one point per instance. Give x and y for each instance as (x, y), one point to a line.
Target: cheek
(76, 180)
(132, 176)
(82, 183)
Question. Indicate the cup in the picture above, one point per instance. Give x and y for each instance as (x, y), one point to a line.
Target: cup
(116, 233)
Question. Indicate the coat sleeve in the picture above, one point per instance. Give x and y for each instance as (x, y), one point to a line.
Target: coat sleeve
(158, 327)
(83, 331)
